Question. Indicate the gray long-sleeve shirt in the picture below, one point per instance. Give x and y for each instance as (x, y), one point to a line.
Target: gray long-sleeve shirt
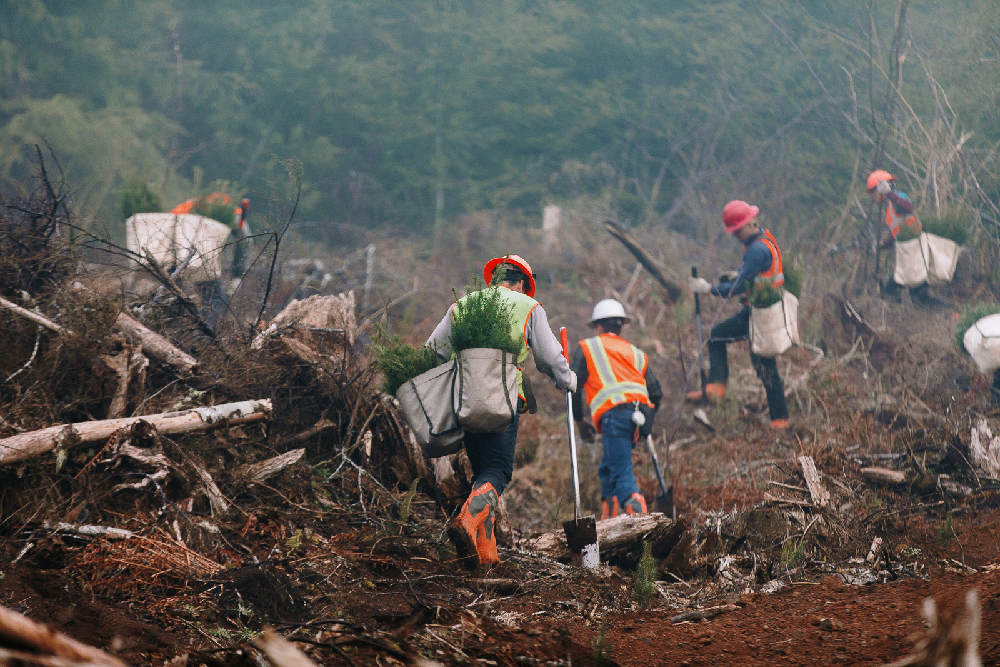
(544, 345)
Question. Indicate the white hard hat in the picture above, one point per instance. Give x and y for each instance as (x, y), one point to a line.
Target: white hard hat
(608, 308)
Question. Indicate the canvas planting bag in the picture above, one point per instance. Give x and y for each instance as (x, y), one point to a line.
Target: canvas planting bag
(912, 261)
(485, 389)
(427, 402)
(776, 328)
(982, 342)
(943, 259)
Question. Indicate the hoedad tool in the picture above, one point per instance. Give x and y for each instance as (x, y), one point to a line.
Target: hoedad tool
(664, 501)
(581, 532)
(701, 353)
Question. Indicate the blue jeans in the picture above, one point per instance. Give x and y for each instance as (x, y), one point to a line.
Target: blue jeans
(617, 429)
(492, 454)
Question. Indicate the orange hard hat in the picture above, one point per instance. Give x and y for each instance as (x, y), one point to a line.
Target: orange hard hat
(878, 175)
(513, 260)
(737, 213)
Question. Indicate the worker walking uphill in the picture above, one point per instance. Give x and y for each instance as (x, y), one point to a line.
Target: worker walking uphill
(618, 384)
(898, 216)
(492, 454)
(761, 264)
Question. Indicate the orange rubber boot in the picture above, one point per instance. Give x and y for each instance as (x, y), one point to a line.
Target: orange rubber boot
(714, 391)
(609, 510)
(636, 504)
(780, 425)
(486, 543)
(464, 528)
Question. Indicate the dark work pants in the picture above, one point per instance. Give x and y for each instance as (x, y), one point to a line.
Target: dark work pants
(995, 389)
(737, 328)
(492, 454)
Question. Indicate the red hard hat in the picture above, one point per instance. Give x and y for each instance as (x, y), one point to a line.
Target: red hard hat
(878, 175)
(737, 213)
(513, 260)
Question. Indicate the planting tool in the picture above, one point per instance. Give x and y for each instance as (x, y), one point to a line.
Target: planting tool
(701, 354)
(581, 532)
(664, 501)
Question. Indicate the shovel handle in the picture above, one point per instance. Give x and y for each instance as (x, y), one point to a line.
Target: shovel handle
(564, 339)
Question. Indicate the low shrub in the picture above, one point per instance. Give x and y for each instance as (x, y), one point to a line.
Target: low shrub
(969, 317)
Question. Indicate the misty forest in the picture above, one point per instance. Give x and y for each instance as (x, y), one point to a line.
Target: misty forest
(206, 452)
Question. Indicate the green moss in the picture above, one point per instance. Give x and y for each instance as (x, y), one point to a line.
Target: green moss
(399, 361)
(970, 316)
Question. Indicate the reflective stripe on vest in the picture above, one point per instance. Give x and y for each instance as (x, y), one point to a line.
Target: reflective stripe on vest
(895, 220)
(776, 274)
(615, 374)
(521, 307)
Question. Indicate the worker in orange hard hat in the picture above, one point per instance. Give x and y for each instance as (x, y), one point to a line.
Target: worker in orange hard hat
(492, 454)
(899, 217)
(761, 264)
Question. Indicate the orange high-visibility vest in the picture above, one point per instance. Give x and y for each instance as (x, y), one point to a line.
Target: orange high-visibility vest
(776, 274)
(895, 220)
(214, 198)
(616, 372)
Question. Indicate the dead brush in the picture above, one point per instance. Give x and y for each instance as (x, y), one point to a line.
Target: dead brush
(144, 567)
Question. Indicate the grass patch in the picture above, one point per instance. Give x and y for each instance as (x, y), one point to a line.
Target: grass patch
(399, 361)
(792, 554)
(969, 317)
(482, 320)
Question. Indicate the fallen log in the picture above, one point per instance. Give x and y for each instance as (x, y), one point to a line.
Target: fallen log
(657, 270)
(33, 316)
(258, 472)
(155, 345)
(88, 530)
(27, 445)
(36, 643)
(884, 475)
(620, 539)
(820, 496)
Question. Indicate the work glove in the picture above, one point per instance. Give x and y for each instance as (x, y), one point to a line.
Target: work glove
(572, 382)
(883, 188)
(699, 285)
(587, 430)
(728, 276)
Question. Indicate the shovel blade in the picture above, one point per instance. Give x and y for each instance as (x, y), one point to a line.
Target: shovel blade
(665, 503)
(580, 533)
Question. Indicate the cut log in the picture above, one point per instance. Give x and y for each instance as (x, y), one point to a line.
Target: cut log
(657, 270)
(620, 539)
(33, 316)
(820, 496)
(258, 472)
(155, 345)
(27, 445)
(20, 633)
(885, 475)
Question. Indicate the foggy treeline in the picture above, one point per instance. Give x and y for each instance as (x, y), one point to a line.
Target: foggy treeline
(409, 113)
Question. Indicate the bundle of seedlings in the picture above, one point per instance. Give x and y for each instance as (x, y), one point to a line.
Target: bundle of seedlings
(399, 361)
(763, 295)
(908, 233)
(953, 226)
(969, 317)
(482, 320)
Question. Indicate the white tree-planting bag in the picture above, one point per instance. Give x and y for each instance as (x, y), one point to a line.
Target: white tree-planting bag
(776, 328)
(944, 259)
(912, 261)
(485, 389)
(428, 405)
(170, 237)
(982, 342)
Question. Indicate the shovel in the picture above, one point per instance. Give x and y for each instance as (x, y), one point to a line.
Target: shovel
(701, 354)
(581, 532)
(665, 501)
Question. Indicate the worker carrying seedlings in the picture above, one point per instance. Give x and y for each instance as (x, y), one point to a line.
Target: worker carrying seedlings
(900, 218)
(623, 395)
(492, 454)
(761, 265)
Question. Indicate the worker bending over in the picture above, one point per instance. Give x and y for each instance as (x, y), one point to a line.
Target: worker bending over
(492, 454)
(761, 264)
(898, 215)
(618, 383)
